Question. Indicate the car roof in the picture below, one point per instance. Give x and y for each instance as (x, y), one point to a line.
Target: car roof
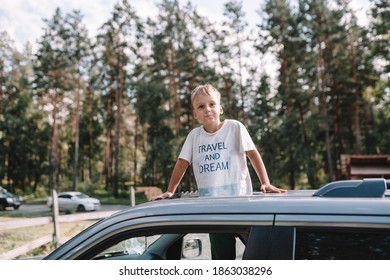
(338, 198)
(292, 202)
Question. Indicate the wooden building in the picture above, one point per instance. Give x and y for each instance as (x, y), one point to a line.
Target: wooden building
(365, 166)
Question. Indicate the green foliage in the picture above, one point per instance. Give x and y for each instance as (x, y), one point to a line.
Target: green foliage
(151, 98)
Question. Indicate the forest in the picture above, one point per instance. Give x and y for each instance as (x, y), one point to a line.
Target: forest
(111, 111)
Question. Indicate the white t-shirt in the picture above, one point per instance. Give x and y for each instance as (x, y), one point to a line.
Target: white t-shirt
(219, 160)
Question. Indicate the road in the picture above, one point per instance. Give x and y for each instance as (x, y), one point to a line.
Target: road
(41, 210)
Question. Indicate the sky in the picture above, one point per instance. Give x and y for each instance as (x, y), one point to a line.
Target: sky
(23, 19)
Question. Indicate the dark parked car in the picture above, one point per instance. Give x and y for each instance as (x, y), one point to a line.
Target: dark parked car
(342, 220)
(8, 200)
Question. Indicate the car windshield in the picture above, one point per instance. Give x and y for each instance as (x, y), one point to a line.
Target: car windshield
(81, 195)
(4, 193)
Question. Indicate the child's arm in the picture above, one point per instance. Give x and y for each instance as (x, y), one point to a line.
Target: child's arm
(177, 174)
(258, 165)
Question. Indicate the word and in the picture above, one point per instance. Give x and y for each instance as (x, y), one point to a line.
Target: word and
(212, 154)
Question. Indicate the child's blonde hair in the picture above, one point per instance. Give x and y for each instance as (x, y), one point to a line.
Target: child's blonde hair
(205, 89)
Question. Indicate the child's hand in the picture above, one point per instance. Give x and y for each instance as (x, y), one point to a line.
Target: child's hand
(163, 196)
(270, 188)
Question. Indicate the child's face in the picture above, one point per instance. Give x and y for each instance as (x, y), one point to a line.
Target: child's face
(207, 109)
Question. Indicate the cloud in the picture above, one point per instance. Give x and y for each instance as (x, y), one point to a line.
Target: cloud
(361, 7)
(18, 21)
(23, 19)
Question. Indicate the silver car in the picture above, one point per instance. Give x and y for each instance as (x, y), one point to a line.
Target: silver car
(342, 220)
(75, 201)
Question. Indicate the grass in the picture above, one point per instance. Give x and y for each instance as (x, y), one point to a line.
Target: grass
(14, 238)
(16, 214)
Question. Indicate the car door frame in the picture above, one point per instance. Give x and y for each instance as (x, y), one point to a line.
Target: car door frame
(81, 245)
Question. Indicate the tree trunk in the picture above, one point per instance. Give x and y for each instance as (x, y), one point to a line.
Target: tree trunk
(118, 123)
(76, 136)
(108, 155)
(355, 107)
(323, 110)
(228, 92)
(136, 128)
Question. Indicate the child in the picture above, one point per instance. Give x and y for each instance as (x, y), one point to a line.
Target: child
(217, 151)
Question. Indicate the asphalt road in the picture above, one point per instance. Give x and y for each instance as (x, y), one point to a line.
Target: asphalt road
(41, 210)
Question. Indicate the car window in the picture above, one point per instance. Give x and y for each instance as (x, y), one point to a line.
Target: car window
(167, 245)
(132, 246)
(64, 196)
(190, 247)
(342, 244)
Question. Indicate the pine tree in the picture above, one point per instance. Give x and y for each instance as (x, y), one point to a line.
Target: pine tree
(78, 49)
(118, 48)
(280, 35)
(23, 136)
(51, 82)
(235, 30)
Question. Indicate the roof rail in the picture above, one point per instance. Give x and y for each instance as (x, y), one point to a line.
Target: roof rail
(185, 194)
(354, 188)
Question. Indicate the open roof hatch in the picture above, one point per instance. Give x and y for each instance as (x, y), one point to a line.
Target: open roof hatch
(354, 188)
